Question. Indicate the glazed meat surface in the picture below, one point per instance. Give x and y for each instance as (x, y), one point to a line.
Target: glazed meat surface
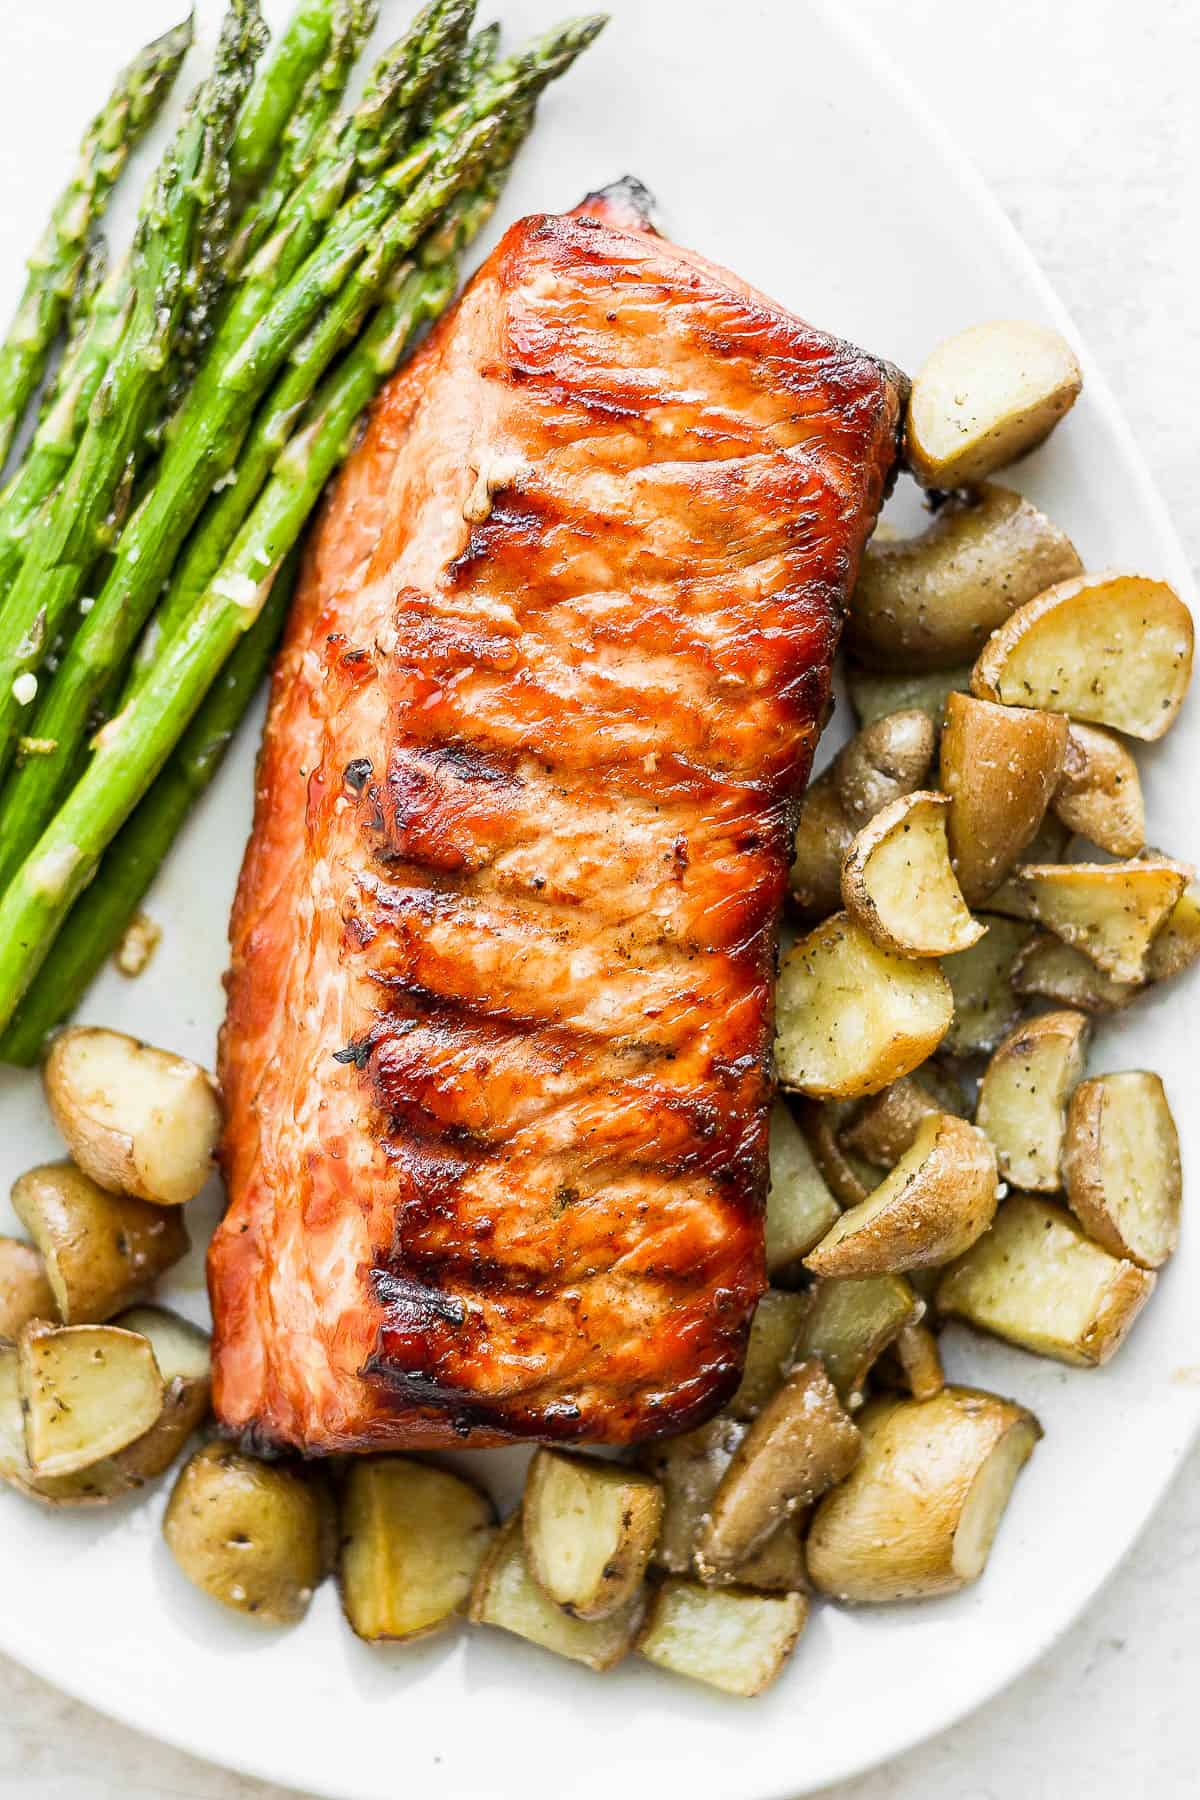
(497, 1060)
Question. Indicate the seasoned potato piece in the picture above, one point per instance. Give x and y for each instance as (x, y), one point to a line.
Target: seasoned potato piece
(1048, 969)
(412, 1540)
(932, 601)
(898, 884)
(89, 1487)
(849, 1324)
(800, 1444)
(506, 1595)
(1176, 944)
(101, 1251)
(731, 1640)
(1109, 649)
(887, 1124)
(985, 1007)
(1121, 1166)
(86, 1392)
(873, 696)
(776, 1567)
(1038, 1282)
(1099, 792)
(1000, 766)
(137, 1120)
(888, 758)
(688, 1469)
(800, 1208)
(774, 1330)
(852, 1016)
(1024, 1093)
(25, 1292)
(918, 1514)
(590, 1530)
(1111, 911)
(936, 1201)
(985, 397)
(916, 1351)
(850, 1176)
(181, 1351)
(249, 1534)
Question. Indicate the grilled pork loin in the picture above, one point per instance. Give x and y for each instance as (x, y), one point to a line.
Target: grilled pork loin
(497, 1061)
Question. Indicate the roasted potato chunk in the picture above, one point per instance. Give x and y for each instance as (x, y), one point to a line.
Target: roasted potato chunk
(873, 696)
(986, 397)
(985, 1006)
(86, 1392)
(887, 1123)
(1108, 649)
(852, 1016)
(916, 1351)
(800, 1207)
(1023, 1097)
(888, 759)
(1047, 969)
(590, 1530)
(1099, 792)
(932, 601)
(101, 1251)
(800, 1444)
(849, 1324)
(412, 1540)
(1038, 1282)
(89, 1487)
(731, 1640)
(1176, 944)
(26, 1294)
(1121, 1166)
(898, 884)
(181, 1351)
(249, 1534)
(1000, 766)
(506, 1595)
(137, 1120)
(917, 1515)
(1110, 911)
(770, 1349)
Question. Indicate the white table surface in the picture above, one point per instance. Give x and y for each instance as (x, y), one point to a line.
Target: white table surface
(1082, 115)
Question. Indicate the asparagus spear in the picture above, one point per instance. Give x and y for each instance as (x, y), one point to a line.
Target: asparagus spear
(299, 52)
(72, 528)
(54, 267)
(367, 230)
(102, 915)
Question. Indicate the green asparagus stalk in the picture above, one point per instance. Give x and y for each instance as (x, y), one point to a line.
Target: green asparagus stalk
(55, 265)
(102, 915)
(299, 52)
(72, 528)
(353, 21)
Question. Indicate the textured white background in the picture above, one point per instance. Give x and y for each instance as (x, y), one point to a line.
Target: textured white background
(1082, 115)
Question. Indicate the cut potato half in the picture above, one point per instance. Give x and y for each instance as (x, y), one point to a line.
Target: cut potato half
(252, 1535)
(506, 1595)
(801, 1443)
(770, 1349)
(1121, 1166)
(1023, 1097)
(898, 884)
(731, 1640)
(985, 1006)
(101, 1251)
(873, 696)
(26, 1294)
(137, 1120)
(886, 759)
(1109, 649)
(1000, 766)
(412, 1541)
(1048, 969)
(918, 1514)
(800, 1207)
(86, 1391)
(937, 1200)
(932, 601)
(1110, 911)
(849, 1324)
(1038, 1282)
(852, 1016)
(887, 1123)
(590, 1530)
(1099, 792)
(92, 1486)
(986, 397)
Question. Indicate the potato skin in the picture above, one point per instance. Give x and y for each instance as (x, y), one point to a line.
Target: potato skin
(1000, 765)
(102, 1251)
(25, 1292)
(1151, 1150)
(1099, 793)
(931, 601)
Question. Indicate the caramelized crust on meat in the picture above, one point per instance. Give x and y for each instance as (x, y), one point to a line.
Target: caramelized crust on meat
(497, 1060)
